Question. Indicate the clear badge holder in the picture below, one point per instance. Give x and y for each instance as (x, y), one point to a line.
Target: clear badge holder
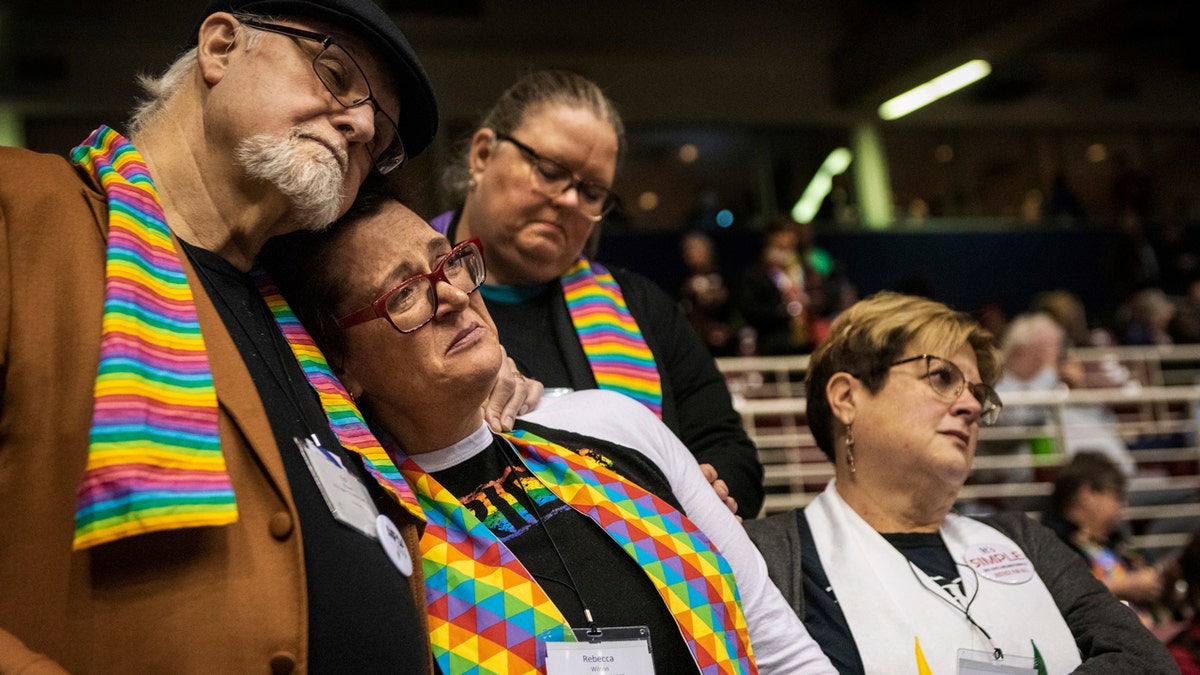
(975, 662)
(612, 649)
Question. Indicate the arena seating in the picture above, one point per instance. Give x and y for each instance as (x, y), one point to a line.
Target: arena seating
(1149, 396)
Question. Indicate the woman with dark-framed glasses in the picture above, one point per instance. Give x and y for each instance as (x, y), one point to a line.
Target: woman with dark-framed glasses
(885, 575)
(533, 182)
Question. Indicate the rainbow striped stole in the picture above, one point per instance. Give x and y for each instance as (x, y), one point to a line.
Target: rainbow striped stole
(486, 611)
(344, 417)
(154, 458)
(611, 339)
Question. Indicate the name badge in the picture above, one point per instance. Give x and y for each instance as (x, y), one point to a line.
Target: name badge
(623, 650)
(974, 662)
(1004, 564)
(345, 495)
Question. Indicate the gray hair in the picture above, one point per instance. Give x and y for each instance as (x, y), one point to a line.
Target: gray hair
(158, 89)
(531, 91)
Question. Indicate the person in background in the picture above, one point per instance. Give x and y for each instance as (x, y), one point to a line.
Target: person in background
(163, 509)
(1087, 511)
(533, 183)
(1182, 581)
(772, 296)
(887, 577)
(574, 520)
(705, 296)
(1146, 318)
(1037, 359)
(1067, 310)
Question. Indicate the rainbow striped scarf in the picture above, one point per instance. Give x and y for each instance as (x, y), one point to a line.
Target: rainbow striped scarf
(154, 460)
(486, 612)
(611, 339)
(344, 417)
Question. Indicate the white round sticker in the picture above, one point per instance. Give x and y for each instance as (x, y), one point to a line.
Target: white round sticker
(393, 544)
(1003, 563)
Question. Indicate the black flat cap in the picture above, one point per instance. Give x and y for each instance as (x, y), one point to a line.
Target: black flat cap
(364, 20)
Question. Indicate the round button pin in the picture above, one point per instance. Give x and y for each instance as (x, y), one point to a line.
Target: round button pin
(1005, 564)
(393, 544)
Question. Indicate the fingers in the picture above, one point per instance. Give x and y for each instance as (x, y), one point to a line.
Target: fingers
(720, 488)
(512, 394)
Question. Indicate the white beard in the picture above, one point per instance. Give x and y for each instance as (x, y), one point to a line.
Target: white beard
(311, 181)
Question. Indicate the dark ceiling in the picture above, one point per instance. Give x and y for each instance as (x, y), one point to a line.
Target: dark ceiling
(828, 62)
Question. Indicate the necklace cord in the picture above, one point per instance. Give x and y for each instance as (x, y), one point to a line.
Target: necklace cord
(997, 653)
(593, 630)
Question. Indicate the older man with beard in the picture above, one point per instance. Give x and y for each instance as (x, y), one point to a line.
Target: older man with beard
(184, 487)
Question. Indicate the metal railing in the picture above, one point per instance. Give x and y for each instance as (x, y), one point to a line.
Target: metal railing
(1153, 410)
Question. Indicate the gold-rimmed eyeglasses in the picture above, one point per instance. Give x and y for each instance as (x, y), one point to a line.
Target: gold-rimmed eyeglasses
(947, 381)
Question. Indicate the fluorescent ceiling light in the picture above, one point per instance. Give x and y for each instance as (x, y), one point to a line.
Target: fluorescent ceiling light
(821, 183)
(942, 85)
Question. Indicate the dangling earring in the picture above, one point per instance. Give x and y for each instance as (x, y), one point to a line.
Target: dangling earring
(850, 447)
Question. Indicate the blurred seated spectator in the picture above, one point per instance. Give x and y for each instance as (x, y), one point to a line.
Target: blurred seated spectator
(1183, 577)
(1185, 325)
(1146, 317)
(705, 296)
(1036, 359)
(1067, 310)
(1087, 511)
(772, 298)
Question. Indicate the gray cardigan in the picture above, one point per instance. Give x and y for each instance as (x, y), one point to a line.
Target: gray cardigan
(1109, 636)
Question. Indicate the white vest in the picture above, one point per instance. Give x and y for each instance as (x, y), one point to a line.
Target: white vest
(888, 602)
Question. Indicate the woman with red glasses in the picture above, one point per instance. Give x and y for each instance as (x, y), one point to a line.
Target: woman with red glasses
(886, 576)
(565, 538)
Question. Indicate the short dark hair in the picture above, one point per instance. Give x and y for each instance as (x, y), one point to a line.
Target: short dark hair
(299, 265)
(1089, 469)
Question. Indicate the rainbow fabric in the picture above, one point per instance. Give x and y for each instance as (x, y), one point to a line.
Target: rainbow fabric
(344, 417)
(611, 339)
(154, 459)
(486, 612)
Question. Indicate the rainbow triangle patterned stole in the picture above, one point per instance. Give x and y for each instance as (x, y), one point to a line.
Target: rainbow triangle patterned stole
(486, 612)
(611, 339)
(344, 417)
(154, 460)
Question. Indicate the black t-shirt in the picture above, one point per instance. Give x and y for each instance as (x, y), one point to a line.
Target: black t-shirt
(527, 326)
(362, 616)
(928, 552)
(533, 523)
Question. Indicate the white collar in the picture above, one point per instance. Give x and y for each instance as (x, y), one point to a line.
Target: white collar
(455, 454)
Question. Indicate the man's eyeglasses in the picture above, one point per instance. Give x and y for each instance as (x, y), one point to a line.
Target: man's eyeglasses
(414, 302)
(947, 381)
(553, 179)
(347, 82)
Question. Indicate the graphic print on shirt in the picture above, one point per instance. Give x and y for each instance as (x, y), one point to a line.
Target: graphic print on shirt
(953, 588)
(496, 505)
